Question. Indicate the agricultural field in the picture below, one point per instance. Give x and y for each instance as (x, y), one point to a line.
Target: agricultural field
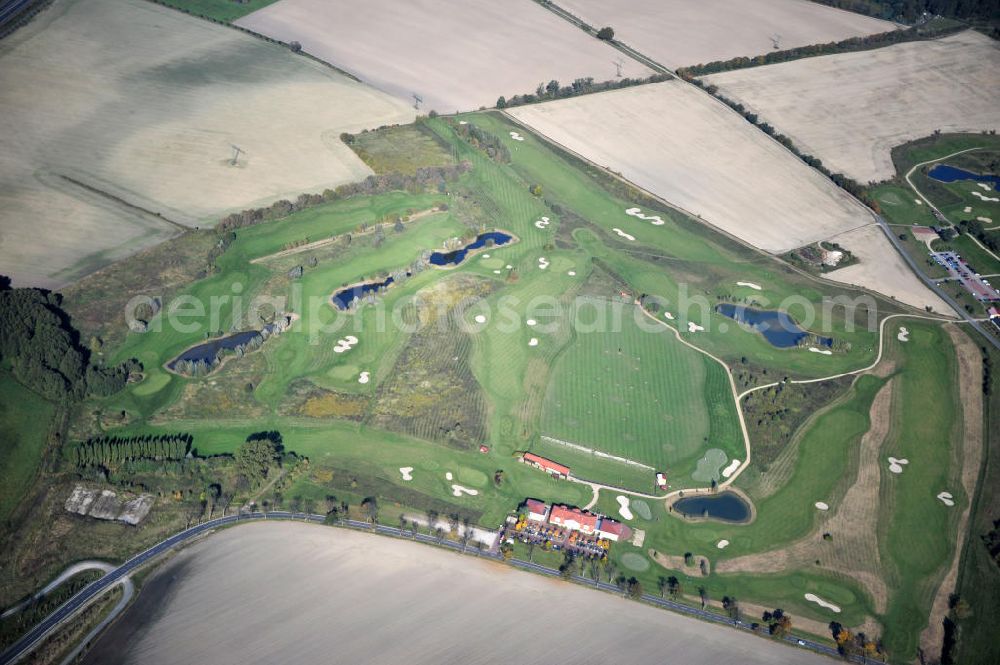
(824, 104)
(719, 168)
(86, 179)
(471, 53)
(677, 34)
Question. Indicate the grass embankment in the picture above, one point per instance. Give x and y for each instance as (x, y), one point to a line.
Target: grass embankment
(24, 429)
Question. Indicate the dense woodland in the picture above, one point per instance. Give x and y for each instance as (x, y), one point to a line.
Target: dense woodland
(910, 11)
(43, 350)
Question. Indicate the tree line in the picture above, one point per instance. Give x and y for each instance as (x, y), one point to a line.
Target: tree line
(864, 43)
(110, 452)
(484, 141)
(581, 86)
(909, 11)
(44, 350)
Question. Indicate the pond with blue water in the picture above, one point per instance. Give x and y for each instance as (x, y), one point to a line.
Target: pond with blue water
(454, 257)
(342, 299)
(945, 173)
(727, 506)
(210, 350)
(777, 327)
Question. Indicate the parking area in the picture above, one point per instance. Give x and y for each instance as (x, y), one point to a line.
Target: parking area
(958, 269)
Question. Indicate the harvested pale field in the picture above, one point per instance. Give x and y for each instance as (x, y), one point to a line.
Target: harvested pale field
(456, 54)
(851, 109)
(679, 33)
(299, 593)
(685, 147)
(143, 103)
(880, 268)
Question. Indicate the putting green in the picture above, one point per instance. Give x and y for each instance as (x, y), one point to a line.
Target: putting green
(635, 562)
(709, 466)
(641, 508)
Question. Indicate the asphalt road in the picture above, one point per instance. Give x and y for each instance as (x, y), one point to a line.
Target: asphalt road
(93, 590)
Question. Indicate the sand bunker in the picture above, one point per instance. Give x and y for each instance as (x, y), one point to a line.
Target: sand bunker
(623, 508)
(572, 273)
(542, 223)
(984, 185)
(543, 263)
(533, 341)
(756, 287)
(896, 465)
(480, 318)
(448, 476)
(364, 378)
(918, 202)
(637, 212)
(820, 505)
(946, 498)
(813, 598)
(988, 199)
(903, 335)
(668, 316)
(722, 544)
(531, 322)
(825, 352)
(967, 209)
(345, 344)
(508, 266)
(985, 220)
(407, 472)
(728, 471)
(496, 272)
(623, 234)
(694, 327)
(516, 136)
(458, 490)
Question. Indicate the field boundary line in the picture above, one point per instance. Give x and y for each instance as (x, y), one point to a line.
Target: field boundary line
(595, 453)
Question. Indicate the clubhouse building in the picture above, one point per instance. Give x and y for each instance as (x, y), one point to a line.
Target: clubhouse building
(574, 519)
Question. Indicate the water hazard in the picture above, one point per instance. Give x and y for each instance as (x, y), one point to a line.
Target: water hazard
(777, 327)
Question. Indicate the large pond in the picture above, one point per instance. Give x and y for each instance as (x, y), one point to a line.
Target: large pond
(945, 173)
(210, 350)
(727, 506)
(285, 592)
(454, 257)
(777, 327)
(342, 299)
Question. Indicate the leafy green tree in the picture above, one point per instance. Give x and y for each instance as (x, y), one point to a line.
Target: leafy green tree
(606, 33)
(258, 455)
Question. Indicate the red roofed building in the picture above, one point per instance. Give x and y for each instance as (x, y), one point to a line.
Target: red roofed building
(573, 519)
(538, 511)
(546, 465)
(610, 529)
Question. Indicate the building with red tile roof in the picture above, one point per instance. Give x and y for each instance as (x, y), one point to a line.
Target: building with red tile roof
(546, 465)
(538, 511)
(610, 529)
(573, 519)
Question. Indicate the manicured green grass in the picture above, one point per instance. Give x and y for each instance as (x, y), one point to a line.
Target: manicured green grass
(220, 10)
(24, 426)
(634, 391)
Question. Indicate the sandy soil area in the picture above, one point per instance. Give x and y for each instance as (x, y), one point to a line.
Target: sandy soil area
(299, 593)
(691, 150)
(457, 55)
(880, 268)
(825, 104)
(676, 33)
(144, 103)
(970, 377)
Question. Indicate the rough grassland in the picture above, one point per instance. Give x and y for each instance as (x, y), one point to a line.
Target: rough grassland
(143, 103)
(465, 54)
(405, 606)
(851, 109)
(679, 33)
(24, 422)
(683, 146)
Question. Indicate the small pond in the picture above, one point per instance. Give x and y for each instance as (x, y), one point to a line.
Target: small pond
(727, 506)
(453, 258)
(777, 327)
(945, 173)
(342, 299)
(210, 350)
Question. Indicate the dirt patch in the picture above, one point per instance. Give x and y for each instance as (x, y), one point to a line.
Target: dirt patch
(307, 399)
(970, 377)
(672, 562)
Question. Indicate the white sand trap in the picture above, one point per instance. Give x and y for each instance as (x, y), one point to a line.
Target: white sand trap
(903, 335)
(543, 263)
(462, 122)
(918, 202)
(623, 508)
(572, 273)
(480, 318)
(813, 598)
(509, 266)
(623, 234)
(946, 498)
(896, 465)
(985, 220)
(722, 544)
(351, 339)
(694, 327)
(988, 199)
(486, 256)
(668, 316)
(820, 505)
(533, 341)
(345, 344)
(751, 285)
(496, 272)
(540, 224)
(545, 219)
(728, 471)
(448, 476)
(407, 472)
(458, 490)
(531, 322)
(825, 352)
(637, 212)
(984, 185)
(967, 209)
(364, 378)
(516, 136)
